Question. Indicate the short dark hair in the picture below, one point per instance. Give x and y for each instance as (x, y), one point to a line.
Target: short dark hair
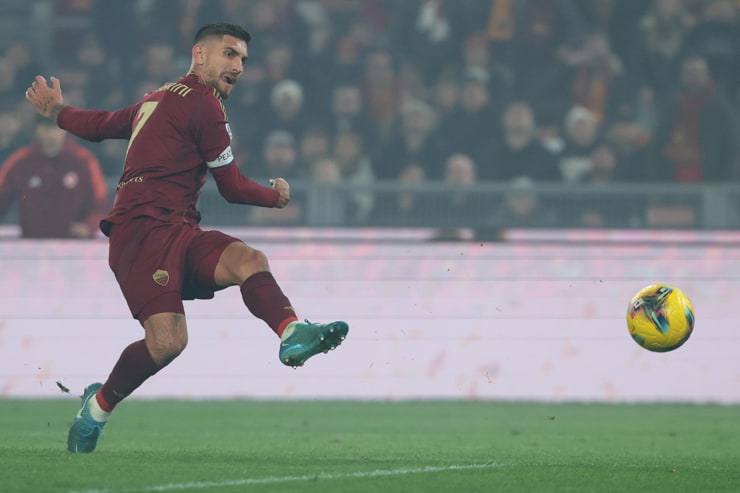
(221, 29)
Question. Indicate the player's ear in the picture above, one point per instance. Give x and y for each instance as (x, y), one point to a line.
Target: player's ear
(198, 54)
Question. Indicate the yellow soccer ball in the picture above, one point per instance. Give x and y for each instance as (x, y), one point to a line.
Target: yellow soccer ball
(660, 318)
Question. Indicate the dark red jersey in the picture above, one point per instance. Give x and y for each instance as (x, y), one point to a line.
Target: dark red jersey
(53, 192)
(175, 135)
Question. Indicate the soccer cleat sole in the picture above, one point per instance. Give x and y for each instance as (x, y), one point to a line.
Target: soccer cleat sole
(332, 336)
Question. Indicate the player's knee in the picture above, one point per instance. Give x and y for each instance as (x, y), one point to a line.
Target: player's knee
(178, 344)
(166, 336)
(166, 349)
(249, 262)
(254, 260)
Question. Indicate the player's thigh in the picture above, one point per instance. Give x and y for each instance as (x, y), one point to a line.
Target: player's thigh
(237, 263)
(148, 259)
(202, 262)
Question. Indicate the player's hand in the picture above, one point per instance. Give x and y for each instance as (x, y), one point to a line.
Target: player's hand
(283, 187)
(47, 100)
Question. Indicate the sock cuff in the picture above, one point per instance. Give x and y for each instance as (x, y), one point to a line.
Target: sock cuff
(102, 402)
(284, 324)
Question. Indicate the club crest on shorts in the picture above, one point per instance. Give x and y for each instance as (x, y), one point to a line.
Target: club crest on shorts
(161, 277)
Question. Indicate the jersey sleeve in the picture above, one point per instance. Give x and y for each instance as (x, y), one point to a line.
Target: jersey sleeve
(212, 132)
(238, 189)
(96, 125)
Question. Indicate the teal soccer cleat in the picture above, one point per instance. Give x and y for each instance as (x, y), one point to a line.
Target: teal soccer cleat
(303, 340)
(85, 431)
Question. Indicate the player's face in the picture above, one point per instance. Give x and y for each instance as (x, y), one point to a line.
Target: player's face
(223, 62)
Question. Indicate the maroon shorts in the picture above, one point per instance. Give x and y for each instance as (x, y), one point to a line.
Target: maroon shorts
(159, 264)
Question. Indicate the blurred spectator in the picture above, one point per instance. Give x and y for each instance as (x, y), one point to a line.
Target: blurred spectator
(532, 37)
(25, 67)
(414, 143)
(287, 108)
(279, 158)
(657, 44)
(606, 210)
(319, 25)
(459, 206)
(8, 83)
(357, 170)
(412, 82)
(522, 208)
(279, 63)
(468, 129)
(112, 22)
(445, 94)
(629, 140)
(381, 91)
(326, 206)
(599, 82)
(604, 167)
(276, 21)
(157, 65)
(476, 53)
(519, 152)
(616, 19)
(248, 104)
(410, 205)
(420, 27)
(58, 184)
(348, 114)
(102, 87)
(697, 138)
(348, 59)
(716, 37)
(315, 143)
(581, 134)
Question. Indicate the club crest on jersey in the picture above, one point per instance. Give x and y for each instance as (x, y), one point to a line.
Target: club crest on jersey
(70, 179)
(161, 277)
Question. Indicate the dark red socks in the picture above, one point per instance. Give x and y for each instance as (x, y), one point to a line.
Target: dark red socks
(133, 367)
(266, 301)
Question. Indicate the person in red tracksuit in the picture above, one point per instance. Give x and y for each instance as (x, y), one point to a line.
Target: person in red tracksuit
(178, 135)
(58, 184)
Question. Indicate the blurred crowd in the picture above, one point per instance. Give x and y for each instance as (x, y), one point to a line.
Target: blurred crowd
(463, 91)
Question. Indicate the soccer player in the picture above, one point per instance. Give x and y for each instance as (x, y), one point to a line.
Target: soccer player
(157, 252)
(57, 183)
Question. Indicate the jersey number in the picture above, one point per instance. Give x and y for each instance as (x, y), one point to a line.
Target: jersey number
(145, 111)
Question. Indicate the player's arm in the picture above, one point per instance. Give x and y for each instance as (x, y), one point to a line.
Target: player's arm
(97, 125)
(91, 125)
(210, 129)
(238, 189)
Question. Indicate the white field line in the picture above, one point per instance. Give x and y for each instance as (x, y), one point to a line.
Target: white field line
(286, 479)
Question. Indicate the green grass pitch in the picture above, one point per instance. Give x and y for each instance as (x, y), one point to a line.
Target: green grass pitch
(234, 446)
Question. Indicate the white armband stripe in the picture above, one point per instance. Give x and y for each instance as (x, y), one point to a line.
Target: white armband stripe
(223, 159)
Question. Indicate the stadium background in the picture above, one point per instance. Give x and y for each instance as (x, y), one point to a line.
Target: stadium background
(401, 221)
